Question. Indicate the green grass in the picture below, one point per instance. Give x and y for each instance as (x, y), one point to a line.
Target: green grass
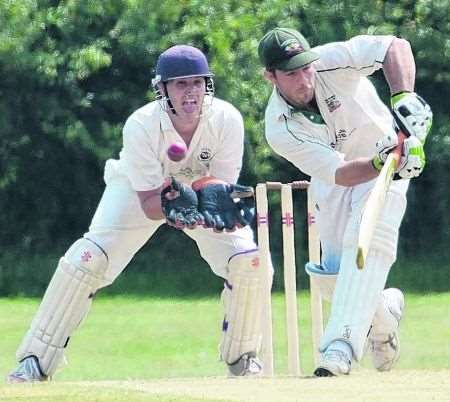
(63, 392)
(166, 350)
(128, 338)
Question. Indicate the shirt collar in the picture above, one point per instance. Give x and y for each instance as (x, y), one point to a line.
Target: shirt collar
(282, 109)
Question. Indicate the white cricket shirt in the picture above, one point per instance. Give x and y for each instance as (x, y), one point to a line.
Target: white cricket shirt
(216, 148)
(353, 117)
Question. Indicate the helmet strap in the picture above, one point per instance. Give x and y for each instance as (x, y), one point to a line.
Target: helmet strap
(169, 102)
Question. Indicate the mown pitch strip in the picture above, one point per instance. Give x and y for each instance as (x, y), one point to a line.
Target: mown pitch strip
(361, 385)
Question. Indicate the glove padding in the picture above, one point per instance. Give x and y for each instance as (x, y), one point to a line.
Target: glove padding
(180, 206)
(384, 146)
(412, 115)
(218, 207)
(412, 161)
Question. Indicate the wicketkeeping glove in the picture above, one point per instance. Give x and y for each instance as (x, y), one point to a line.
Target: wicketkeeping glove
(218, 206)
(412, 115)
(179, 204)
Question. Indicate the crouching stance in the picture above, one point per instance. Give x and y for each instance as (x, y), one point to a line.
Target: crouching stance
(146, 189)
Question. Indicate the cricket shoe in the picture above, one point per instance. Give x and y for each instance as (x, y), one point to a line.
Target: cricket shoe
(385, 348)
(333, 363)
(246, 366)
(28, 370)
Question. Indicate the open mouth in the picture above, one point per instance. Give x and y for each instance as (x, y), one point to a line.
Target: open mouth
(190, 101)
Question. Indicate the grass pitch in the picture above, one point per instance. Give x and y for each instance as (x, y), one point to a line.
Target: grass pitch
(127, 345)
(363, 385)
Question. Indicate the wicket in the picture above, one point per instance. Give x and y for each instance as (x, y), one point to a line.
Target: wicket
(287, 220)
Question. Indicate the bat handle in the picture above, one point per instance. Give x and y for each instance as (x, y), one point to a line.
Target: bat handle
(399, 148)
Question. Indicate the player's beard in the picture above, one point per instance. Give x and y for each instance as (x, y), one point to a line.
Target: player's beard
(302, 97)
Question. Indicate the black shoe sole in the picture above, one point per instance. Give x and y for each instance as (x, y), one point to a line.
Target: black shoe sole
(323, 372)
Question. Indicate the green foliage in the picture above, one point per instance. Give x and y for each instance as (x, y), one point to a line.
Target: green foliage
(72, 71)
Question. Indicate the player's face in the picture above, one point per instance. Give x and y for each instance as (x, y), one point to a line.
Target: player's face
(186, 95)
(296, 86)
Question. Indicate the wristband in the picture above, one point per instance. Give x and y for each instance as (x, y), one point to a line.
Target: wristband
(397, 96)
(377, 163)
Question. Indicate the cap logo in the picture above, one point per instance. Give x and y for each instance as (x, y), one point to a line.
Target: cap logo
(292, 47)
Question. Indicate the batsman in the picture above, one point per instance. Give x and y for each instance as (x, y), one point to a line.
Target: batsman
(326, 118)
(190, 186)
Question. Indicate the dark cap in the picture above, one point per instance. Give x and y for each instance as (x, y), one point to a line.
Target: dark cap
(181, 61)
(285, 49)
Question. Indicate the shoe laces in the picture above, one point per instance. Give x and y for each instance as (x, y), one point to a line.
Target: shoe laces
(380, 346)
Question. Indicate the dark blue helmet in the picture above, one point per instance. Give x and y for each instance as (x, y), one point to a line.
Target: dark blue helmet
(181, 61)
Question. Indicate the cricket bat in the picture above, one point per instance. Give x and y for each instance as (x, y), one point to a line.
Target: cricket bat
(375, 202)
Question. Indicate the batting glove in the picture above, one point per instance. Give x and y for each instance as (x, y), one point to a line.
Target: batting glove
(412, 115)
(413, 159)
(384, 146)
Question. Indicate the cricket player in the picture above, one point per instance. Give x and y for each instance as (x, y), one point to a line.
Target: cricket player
(326, 118)
(145, 189)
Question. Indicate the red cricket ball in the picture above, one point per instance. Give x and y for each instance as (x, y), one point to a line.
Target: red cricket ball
(177, 151)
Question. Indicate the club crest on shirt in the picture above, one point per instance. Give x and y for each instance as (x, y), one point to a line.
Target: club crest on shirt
(332, 103)
(205, 155)
(186, 173)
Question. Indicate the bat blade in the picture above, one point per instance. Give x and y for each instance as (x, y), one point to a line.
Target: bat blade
(375, 203)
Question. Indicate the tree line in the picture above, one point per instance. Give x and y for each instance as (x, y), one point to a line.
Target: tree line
(72, 71)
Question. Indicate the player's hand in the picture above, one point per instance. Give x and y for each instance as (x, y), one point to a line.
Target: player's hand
(180, 205)
(413, 159)
(220, 205)
(384, 146)
(412, 115)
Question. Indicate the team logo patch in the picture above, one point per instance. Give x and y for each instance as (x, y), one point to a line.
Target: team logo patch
(86, 256)
(205, 155)
(347, 332)
(255, 262)
(332, 103)
(292, 47)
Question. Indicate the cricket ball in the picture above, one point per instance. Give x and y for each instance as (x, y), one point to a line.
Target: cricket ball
(177, 151)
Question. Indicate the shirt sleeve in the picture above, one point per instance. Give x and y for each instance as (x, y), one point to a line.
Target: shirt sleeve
(312, 156)
(139, 159)
(227, 162)
(363, 53)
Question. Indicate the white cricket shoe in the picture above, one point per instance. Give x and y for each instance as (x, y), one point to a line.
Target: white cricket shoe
(333, 363)
(28, 370)
(385, 348)
(247, 365)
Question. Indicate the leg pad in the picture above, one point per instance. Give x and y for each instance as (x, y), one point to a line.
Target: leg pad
(80, 272)
(242, 300)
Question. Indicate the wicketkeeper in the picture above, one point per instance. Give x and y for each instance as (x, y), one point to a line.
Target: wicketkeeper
(145, 189)
(326, 118)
